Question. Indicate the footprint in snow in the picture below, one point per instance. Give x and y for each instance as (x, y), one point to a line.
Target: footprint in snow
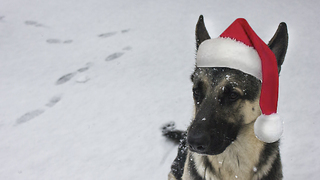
(54, 100)
(67, 41)
(109, 34)
(58, 41)
(53, 41)
(29, 115)
(114, 56)
(83, 69)
(33, 23)
(125, 30)
(33, 114)
(128, 48)
(65, 78)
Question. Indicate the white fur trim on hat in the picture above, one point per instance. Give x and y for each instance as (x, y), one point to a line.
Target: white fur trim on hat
(268, 128)
(226, 52)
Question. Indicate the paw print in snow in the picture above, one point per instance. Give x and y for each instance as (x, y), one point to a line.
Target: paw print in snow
(29, 115)
(109, 34)
(114, 56)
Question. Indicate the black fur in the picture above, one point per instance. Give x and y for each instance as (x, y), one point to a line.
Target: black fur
(204, 35)
(177, 166)
(276, 170)
(279, 44)
(178, 137)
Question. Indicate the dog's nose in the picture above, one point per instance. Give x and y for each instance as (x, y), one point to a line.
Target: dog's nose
(198, 142)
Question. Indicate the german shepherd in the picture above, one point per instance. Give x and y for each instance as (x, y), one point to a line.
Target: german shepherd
(223, 145)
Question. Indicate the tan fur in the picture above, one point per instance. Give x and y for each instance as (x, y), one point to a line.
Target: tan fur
(250, 111)
(246, 149)
(186, 173)
(171, 176)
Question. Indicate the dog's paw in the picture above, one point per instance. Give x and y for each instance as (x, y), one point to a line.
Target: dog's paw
(168, 128)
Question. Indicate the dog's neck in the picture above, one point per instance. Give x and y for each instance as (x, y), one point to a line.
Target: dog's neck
(238, 161)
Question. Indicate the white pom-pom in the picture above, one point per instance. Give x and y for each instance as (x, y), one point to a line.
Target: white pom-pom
(268, 128)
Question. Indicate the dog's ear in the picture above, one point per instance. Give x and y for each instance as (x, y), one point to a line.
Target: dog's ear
(279, 44)
(201, 32)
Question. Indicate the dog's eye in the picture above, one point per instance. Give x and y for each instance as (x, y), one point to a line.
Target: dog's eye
(233, 96)
(196, 94)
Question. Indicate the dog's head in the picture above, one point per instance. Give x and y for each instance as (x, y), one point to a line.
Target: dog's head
(226, 100)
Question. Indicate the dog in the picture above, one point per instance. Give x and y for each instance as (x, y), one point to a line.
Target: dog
(223, 145)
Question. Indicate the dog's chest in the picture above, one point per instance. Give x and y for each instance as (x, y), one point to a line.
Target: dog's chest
(222, 168)
(238, 162)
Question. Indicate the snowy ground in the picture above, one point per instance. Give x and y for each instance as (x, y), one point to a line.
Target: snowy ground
(86, 85)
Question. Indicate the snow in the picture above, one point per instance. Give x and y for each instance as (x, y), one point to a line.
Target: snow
(134, 59)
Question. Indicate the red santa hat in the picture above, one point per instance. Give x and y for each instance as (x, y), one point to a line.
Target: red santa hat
(240, 48)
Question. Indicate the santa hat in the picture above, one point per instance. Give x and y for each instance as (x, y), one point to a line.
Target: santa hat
(240, 48)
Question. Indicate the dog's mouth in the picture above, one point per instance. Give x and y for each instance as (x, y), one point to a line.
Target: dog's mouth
(219, 147)
(209, 145)
(214, 148)
(212, 142)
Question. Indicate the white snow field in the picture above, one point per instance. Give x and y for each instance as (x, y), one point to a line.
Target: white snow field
(85, 86)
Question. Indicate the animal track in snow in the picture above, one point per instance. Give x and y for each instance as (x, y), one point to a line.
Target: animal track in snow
(128, 48)
(65, 78)
(125, 30)
(33, 23)
(109, 34)
(83, 69)
(67, 41)
(29, 115)
(53, 41)
(33, 114)
(58, 41)
(54, 100)
(114, 56)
